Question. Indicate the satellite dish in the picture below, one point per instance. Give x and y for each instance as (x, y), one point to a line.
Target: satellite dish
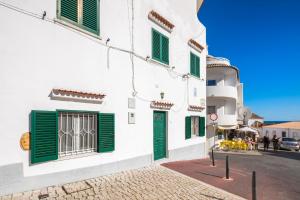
(244, 114)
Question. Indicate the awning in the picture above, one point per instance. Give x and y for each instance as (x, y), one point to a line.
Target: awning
(248, 129)
(227, 127)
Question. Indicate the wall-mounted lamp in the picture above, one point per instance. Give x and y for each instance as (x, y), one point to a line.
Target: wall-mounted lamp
(107, 40)
(162, 95)
(44, 15)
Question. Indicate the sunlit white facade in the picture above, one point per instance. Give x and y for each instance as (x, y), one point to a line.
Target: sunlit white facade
(224, 94)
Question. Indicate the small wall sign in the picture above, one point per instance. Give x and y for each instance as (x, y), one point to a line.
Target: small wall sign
(25, 141)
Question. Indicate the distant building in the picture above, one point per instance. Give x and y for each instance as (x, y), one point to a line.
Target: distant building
(256, 122)
(288, 129)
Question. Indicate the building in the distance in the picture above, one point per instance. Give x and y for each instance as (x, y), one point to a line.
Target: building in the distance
(287, 129)
(224, 96)
(94, 87)
(255, 121)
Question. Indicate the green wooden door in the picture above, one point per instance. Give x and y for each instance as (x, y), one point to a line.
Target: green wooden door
(159, 139)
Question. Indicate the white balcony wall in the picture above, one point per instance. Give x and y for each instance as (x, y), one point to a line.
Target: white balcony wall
(223, 76)
(222, 91)
(226, 110)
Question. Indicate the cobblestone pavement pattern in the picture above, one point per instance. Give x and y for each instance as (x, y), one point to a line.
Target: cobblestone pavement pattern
(154, 182)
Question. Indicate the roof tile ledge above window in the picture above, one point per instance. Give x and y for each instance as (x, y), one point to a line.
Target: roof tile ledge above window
(196, 108)
(76, 96)
(162, 105)
(195, 45)
(161, 21)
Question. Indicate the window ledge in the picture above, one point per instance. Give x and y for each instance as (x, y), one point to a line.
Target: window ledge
(159, 63)
(196, 77)
(69, 25)
(81, 155)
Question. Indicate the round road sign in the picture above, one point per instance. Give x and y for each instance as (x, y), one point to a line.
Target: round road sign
(213, 116)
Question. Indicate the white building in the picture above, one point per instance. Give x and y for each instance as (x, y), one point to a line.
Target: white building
(224, 95)
(288, 129)
(101, 86)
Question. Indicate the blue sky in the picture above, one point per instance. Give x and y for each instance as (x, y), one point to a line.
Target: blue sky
(261, 38)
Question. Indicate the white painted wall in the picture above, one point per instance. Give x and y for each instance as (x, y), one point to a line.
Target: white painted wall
(37, 56)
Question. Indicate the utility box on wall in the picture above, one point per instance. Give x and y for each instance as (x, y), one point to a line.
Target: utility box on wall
(131, 118)
(131, 103)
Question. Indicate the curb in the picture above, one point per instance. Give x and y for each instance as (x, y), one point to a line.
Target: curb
(240, 153)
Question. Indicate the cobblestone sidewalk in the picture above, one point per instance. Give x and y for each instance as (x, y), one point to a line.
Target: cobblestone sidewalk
(149, 183)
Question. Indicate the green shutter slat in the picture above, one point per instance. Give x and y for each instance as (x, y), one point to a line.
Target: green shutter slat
(188, 127)
(165, 49)
(44, 136)
(197, 66)
(202, 126)
(192, 64)
(68, 9)
(90, 14)
(156, 45)
(106, 132)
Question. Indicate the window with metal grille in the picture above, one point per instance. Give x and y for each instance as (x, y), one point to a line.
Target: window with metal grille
(195, 125)
(77, 133)
(194, 65)
(160, 47)
(82, 13)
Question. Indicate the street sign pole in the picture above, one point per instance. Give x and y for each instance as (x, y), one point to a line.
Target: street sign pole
(214, 117)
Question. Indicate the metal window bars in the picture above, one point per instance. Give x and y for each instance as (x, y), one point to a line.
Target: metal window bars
(77, 133)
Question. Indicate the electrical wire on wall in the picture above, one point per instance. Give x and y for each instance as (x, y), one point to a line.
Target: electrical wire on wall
(132, 49)
(172, 73)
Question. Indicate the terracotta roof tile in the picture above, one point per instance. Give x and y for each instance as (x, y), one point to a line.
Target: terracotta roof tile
(195, 108)
(77, 94)
(255, 116)
(161, 105)
(160, 20)
(291, 125)
(195, 45)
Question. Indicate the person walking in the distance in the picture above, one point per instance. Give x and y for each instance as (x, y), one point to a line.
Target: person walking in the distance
(275, 141)
(266, 142)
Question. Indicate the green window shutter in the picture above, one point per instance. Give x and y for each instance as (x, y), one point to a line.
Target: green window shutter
(201, 126)
(197, 66)
(106, 132)
(44, 136)
(156, 45)
(90, 14)
(188, 127)
(68, 9)
(192, 64)
(165, 49)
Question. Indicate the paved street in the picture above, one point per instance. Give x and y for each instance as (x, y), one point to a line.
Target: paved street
(278, 174)
(154, 182)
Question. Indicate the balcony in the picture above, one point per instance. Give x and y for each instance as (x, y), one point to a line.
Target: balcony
(222, 91)
(225, 120)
